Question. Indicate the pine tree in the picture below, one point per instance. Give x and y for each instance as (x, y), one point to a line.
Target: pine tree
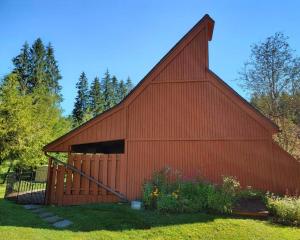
(115, 86)
(81, 101)
(129, 85)
(22, 68)
(52, 73)
(122, 91)
(38, 65)
(108, 92)
(96, 98)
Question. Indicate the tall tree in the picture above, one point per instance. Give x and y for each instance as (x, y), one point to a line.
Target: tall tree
(21, 141)
(129, 85)
(52, 73)
(22, 68)
(122, 91)
(272, 77)
(115, 86)
(81, 101)
(108, 91)
(38, 64)
(96, 98)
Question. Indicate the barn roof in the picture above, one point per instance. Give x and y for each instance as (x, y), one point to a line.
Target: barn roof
(206, 21)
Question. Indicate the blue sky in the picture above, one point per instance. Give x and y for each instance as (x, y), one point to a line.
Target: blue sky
(130, 37)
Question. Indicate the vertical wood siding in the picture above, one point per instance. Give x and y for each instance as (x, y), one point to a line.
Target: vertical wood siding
(189, 64)
(184, 117)
(110, 128)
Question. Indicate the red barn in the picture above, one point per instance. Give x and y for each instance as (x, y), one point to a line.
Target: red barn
(180, 115)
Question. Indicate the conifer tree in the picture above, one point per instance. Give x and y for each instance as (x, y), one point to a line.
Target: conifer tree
(129, 85)
(52, 73)
(37, 65)
(122, 91)
(115, 87)
(96, 98)
(81, 101)
(22, 68)
(108, 92)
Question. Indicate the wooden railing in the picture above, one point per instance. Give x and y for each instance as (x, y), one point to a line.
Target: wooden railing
(86, 178)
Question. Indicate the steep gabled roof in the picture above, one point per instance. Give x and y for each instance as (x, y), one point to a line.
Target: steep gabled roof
(206, 22)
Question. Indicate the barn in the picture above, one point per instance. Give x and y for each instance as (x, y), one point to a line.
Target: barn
(180, 115)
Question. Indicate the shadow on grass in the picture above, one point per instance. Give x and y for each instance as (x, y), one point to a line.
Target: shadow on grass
(85, 218)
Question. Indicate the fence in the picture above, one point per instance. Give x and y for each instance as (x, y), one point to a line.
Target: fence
(87, 178)
(26, 186)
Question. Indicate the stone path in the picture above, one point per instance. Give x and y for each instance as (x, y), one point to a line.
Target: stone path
(49, 217)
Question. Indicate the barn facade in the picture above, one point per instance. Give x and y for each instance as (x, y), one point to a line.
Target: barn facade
(180, 115)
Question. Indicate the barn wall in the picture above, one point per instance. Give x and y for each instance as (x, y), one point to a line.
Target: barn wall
(111, 127)
(189, 63)
(189, 110)
(251, 162)
(193, 125)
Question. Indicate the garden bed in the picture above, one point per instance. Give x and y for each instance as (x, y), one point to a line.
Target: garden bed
(250, 208)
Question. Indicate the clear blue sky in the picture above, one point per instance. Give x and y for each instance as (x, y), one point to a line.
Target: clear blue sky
(130, 37)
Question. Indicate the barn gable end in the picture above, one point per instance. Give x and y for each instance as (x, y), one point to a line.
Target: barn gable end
(187, 61)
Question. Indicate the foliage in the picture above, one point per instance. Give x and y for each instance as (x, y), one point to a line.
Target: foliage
(21, 141)
(30, 112)
(81, 105)
(96, 101)
(118, 221)
(272, 77)
(185, 196)
(108, 91)
(102, 96)
(250, 193)
(286, 210)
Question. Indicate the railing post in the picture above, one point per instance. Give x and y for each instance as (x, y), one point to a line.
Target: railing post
(49, 183)
(60, 184)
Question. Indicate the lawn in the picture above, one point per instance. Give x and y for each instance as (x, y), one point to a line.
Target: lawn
(116, 221)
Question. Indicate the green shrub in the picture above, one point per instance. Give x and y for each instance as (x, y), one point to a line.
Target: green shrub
(185, 196)
(168, 203)
(285, 210)
(230, 186)
(250, 193)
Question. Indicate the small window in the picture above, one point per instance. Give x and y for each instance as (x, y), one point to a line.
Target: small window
(107, 147)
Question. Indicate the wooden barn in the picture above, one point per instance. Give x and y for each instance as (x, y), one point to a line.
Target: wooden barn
(180, 115)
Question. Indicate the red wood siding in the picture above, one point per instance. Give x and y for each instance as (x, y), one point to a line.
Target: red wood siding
(70, 188)
(189, 110)
(189, 63)
(183, 116)
(109, 128)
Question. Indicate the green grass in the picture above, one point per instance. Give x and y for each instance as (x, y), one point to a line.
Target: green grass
(114, 221)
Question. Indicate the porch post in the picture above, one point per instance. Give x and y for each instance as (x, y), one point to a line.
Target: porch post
(49, 182)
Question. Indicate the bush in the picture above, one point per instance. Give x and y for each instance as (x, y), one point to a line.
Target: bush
(285, 210)
(250, 193)
(186, 196)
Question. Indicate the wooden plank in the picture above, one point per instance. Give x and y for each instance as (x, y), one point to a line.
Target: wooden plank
(49, 182)
(86, 170)
(68, 182)
(76, 176)
(104, 171)
(60, 184)
(122, 174)
(95, 173)
(53, 185)
(113, 159)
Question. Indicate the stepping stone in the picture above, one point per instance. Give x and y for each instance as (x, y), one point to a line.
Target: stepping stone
(38, 210)
(46, 214)
(52, 219)
(32, 206)
(62, 224)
